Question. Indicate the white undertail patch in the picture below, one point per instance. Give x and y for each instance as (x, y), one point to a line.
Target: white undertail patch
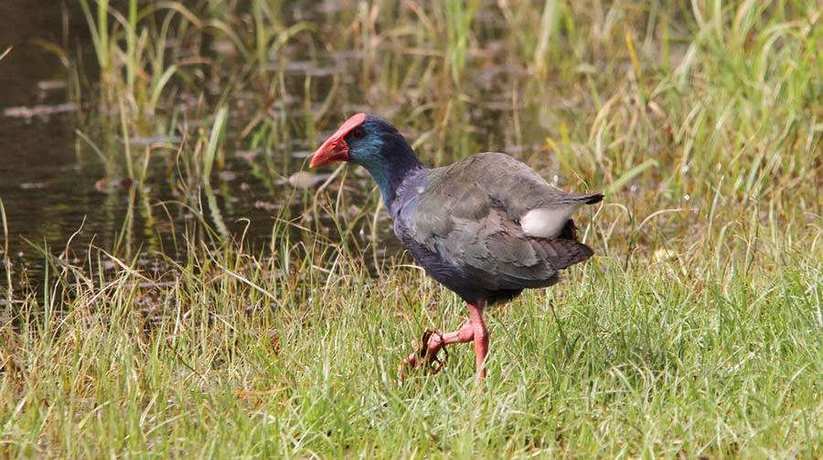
(546, 222)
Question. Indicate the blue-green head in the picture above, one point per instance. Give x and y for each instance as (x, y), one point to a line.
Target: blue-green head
(371, 142)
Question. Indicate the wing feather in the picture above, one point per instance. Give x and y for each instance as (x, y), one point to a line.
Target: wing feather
(473, 222)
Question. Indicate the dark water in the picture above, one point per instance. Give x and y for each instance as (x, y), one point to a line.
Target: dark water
(55, 189)
(44, 192)
(51, 185)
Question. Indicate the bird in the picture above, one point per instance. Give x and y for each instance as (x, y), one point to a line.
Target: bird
(486, 227)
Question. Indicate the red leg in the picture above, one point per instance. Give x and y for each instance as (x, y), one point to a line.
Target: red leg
(472, 330)
(481, 338)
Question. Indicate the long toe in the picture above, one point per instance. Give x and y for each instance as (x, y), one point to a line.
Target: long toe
(426, 354)
(431, 344)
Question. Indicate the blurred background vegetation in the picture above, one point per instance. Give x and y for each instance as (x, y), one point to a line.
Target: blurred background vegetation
(687, 109)
(183, 215)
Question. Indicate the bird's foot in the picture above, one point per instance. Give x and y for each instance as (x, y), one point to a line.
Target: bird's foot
(427, 355)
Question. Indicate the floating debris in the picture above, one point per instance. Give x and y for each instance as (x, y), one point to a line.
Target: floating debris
(160, 139)
(51, 85)
(107, 184)
(266, 205)
(310, 68)
(224, 47)
(33, 185)
(305, 180)
(227, 176)
(300, 154)
(248, 155)
(39, 110)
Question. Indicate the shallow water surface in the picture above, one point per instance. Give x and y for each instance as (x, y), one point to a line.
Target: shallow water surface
(55, 189)
(44, 190)
(62, 172)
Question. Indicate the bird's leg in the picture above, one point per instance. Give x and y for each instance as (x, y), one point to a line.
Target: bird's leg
(480, 334)
(432, 343)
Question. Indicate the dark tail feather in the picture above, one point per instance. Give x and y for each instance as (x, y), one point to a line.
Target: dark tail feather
(569, 231)
(567, 253)
(591, 199)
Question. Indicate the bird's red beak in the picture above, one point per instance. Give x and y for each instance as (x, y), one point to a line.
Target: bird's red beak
(335, 147)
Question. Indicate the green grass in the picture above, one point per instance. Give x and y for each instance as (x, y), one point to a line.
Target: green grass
(635, 362)
(696, 331)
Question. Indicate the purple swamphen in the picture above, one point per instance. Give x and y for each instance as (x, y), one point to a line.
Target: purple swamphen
(485, 227)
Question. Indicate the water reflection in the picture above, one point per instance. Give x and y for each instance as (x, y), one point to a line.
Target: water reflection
(62, 173)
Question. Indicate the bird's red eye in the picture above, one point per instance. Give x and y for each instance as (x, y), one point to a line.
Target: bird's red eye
(358, 132)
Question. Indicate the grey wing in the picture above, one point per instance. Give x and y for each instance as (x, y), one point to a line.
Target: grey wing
(470, 215)
(511, 184)
(498, 252)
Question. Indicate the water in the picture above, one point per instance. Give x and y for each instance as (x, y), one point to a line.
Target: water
(41, 186)
(56, 190)
(52, 188)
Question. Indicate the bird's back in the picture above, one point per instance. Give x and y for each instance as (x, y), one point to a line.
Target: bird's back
(488, 226)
